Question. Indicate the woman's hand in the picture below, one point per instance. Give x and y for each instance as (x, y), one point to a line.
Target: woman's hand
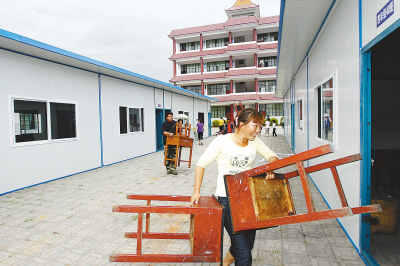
(194, 199)
(270, 175)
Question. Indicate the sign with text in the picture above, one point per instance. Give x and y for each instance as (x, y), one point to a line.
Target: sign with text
(385, 13)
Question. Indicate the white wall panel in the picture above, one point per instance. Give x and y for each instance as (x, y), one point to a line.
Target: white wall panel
(118, 147)
(31, 163)
(301, 93)
(159, 98)
(336, 51)
(370, 10)
(168, 100)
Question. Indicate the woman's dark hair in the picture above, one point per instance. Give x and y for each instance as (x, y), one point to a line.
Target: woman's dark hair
(199, 120)
(248, 115)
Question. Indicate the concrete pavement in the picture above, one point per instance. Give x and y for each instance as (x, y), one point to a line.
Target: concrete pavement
(70, 221)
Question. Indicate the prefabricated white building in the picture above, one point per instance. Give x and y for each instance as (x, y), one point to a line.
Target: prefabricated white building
(338, 73)
(62, 113)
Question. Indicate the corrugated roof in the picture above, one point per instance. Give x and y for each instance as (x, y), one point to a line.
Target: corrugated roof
(265, 46)
(199, 29)
(241, 21)
(242, 71)
(268, 20)
(242, 47)
(222, 26)
(197, 53)
(198, 77)
(245, 97)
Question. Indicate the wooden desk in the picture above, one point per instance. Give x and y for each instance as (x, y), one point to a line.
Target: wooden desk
(205, 234)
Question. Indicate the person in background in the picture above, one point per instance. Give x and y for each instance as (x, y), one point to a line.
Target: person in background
(200, 130)
(235, 153)
(274, 129)
(221, 124)
(229, 126)
(267, 123)
(168, 128)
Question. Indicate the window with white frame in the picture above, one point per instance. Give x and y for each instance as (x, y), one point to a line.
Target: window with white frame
(300, 114)
(217, 42)
(267, 37)
(269, 61)
(218, 66)
(267, 86)
(325, 114)
(131, 120)
(31, 123)
(194, 88)
(190, 46)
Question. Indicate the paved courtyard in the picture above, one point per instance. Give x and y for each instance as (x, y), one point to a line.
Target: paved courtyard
(70, 221)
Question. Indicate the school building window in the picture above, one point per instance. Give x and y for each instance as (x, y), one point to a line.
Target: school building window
(217, 111)
(217, 42)
(218, 89)
(271, 109)
(190, 68)
(30, 120)
(196, 88)
(131, 119)
(269, 61)
(300, 112)
(190, 46)
(325, 118)
(267, 37)
(218, 66)
(267, 86)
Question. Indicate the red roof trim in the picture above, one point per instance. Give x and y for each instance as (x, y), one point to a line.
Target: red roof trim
(221, 26)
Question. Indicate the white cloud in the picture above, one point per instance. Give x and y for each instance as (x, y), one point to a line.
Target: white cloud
(129, 34)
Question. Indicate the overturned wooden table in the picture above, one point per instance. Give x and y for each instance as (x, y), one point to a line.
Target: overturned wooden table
(205, 234)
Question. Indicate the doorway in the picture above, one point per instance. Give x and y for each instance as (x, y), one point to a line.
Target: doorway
(159, 137)
(385, 149)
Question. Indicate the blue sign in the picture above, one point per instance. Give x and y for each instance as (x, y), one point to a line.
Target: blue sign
(385, 13)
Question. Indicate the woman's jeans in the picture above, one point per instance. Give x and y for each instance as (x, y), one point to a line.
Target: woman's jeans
(241, 243)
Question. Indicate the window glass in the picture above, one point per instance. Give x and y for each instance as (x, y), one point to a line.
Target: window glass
(134, 120)
(63, 122)
(217, 42)
(196, 89)
(267, 86)
(217, 111)
(324, 93)
(190, 46)
(190, 68)
(272, 109)
(300, 112)
(269, 61)
(218, 89)
(218, 66)
(267, 37)
(123, 123)
(30, 121)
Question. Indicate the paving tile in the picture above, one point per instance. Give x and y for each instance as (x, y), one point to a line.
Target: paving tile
(41, 226)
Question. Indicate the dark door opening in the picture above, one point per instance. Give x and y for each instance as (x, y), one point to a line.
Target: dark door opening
(385, 148)
(159, 120)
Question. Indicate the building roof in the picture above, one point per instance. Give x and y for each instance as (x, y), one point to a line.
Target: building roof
(197, 53)
(198, 76)
(222, 26)
(241, 21)
(245, 97)
(300, 23)
(236, 47)
(28, 47)
(230, 73)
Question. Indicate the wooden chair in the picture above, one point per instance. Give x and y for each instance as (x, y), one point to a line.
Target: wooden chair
(181, 139)
(205, 234)
(259, 203)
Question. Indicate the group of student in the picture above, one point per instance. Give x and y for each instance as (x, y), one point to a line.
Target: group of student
(268, 125)
(229, 127)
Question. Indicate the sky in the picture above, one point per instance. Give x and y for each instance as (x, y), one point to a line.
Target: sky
(130, 34)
